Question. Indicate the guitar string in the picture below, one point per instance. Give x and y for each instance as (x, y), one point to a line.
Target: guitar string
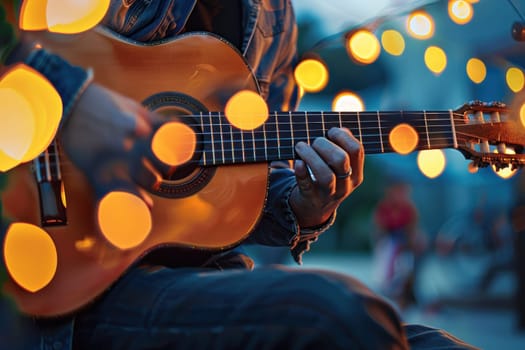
(444, 114)
(368, 145)
(372, 147)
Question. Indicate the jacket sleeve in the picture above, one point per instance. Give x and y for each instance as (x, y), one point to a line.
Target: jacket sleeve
(146, 20)
(278, 225)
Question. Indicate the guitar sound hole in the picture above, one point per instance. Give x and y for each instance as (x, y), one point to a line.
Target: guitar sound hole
(188, 178)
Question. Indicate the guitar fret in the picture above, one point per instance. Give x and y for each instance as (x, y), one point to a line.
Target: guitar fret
(291, 127)
(285, 135)
(265, 143)
(307, 127)
(204, 143)
(233, 144)
(439, 132)
(451, 112)
(426, 128)
(222, 137)
(322, 122)
(226, 138)
(300, 131)
(359, 127)
(331, 120)
(212, 138)
(277, 136)
(254, 146)
(380, 133)
(242, 147)
(340, 121)
(259, 144)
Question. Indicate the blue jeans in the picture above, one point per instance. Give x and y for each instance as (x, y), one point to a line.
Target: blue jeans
(154, 307)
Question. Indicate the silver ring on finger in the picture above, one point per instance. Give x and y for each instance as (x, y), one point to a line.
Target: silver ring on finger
(345, 175)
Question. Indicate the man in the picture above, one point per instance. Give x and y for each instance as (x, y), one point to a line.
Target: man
(218, 302)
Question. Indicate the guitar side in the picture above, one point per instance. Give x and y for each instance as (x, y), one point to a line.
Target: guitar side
(219, 215)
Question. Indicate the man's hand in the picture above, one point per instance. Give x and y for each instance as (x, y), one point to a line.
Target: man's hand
(336, 163)
(99, 134)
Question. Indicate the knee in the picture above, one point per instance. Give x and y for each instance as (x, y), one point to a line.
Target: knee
(346, 309)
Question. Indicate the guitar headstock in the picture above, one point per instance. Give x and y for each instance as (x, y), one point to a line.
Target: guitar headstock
(487, 136)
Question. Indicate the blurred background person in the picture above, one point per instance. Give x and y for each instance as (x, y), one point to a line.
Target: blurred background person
(397, 242)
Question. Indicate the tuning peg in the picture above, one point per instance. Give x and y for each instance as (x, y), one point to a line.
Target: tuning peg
(476, 103)
(497, 104)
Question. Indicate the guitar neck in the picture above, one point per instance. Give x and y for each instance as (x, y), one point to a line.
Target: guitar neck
(275, 140)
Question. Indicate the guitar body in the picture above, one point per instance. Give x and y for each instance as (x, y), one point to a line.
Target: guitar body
(217, 216)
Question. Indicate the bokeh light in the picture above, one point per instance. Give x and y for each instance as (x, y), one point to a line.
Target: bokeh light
(460, 11)
(403, 138)
(22, 86)
(363, 46)
(431, 162)
(347, 101)
(420, 25)
(311, 75)
(62, 16)
(476, 70)
(174, 143)
(246, 110)
(124, 219)
(30, 256)
(435, 59)
(393, 42)
(17, 130)
(515, 79)
(32, 15)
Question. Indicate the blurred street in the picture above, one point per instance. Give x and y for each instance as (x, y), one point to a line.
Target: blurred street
(489, 323)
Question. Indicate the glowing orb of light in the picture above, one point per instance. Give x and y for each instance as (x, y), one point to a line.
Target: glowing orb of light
(347, 102)
(460, 11)
(174, 143)
(62, 16)
(435, 59)
(31, 110)
(30, 256)
(246, 110)
(403, 138)
(363, 46)
(420, 25)
(393, 42)
(124, 219)
(476, 70)
(311, 75)
(17, 128)
(515, 79)
(431, 162)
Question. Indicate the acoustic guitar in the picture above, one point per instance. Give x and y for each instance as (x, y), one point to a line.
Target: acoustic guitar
(216, 199)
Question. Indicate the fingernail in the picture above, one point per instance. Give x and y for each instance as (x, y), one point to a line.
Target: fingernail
(300, 146)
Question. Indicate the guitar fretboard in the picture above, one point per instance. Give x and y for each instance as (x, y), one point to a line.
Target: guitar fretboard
(223, 143)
